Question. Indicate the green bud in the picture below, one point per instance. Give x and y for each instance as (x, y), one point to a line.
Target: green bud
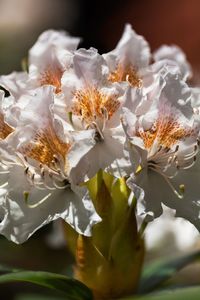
(110, 261)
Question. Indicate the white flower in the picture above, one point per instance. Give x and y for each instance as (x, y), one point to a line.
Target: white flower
(49, 57)
(38, 188)
(127, 61)
(94, 105)
(129, 65)
(166, 139)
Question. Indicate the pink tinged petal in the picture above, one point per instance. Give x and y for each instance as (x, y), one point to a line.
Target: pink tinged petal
(52, 39)
(130, 56)
(174, 54)
(88, 67)
(134, 47)
(50, 57)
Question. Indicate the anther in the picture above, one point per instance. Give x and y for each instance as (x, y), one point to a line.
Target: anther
(26, 170)
(182, 188)
(55, 158)
(33, 176)
(104, 113)
(97, 136)
(177, 147)
(42, 172)
(170, 159)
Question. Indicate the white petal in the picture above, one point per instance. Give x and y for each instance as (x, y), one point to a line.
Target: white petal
(48, 42)
(15, 83)
(88, 66)
(174, 53)
(89, 156)
(20, 218)
(35, 109)
(132, 49)
(148, 207)
(178, 93)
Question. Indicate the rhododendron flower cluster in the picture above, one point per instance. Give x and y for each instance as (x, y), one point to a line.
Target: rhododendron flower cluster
(75, 112)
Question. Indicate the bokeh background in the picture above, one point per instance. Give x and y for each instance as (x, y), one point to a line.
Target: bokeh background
(100, 23)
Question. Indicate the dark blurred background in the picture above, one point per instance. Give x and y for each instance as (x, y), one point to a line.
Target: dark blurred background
(100, 23)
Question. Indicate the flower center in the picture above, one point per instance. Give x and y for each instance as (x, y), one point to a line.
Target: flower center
(5, 129)
(52, 76)
(163, 143)
(92, 105)
(50, 152)
(45, 146)
(127, 73)
(166, 132)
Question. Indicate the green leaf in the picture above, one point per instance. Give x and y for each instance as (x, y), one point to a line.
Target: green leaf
(37, 297)
(192, 293)
(7, 269)
(157, 273)
(72, 288)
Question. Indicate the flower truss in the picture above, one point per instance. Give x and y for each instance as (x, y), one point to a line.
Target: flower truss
(75, 112)
(102, 142)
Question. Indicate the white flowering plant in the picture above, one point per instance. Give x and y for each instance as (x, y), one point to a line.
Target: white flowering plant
(103, 142)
